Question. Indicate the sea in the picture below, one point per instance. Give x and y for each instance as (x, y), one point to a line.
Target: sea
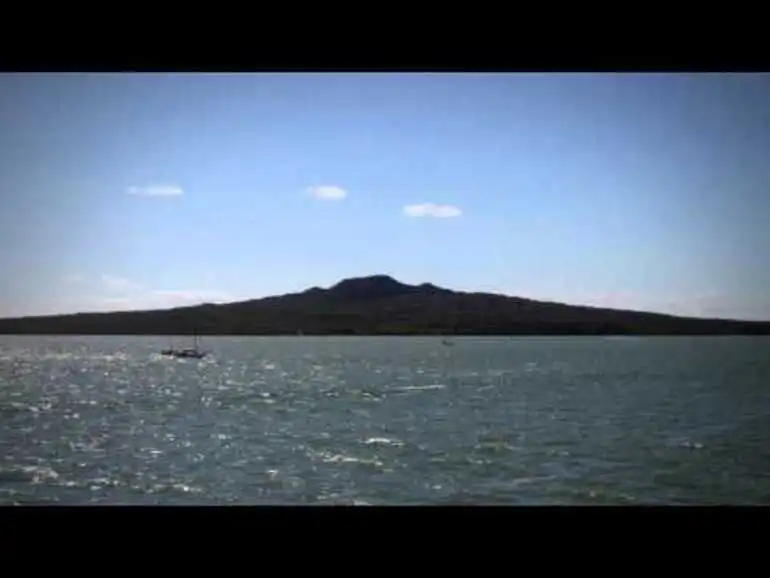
(378, 421)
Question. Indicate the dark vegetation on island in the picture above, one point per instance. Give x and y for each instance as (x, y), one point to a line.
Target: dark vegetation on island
(380, 305)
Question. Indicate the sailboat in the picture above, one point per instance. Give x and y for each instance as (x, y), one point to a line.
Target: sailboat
(447, 341)
(188, 353)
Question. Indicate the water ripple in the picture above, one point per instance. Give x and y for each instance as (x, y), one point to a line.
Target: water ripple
(370, 421)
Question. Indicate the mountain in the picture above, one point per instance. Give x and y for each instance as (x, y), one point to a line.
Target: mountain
(379, 304)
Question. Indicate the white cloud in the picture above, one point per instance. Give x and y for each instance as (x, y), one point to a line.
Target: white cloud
(139, 299)
(125, 292)
(156, 191)
(193, 296)
(705, 304)
(327, 193)
(118, 303)
(115, 283)
(432, 210)
(111, 294)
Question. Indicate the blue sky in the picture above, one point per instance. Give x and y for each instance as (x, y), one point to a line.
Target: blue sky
(124, 191)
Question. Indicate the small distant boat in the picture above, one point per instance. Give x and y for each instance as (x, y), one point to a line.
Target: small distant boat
(184, 353)
(446, 341)
(193, 352)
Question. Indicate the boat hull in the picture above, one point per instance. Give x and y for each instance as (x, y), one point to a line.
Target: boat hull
(183, 354)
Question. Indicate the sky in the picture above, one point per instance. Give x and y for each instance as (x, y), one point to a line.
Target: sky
(635, 191)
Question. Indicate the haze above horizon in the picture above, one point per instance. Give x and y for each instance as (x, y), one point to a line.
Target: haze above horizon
(631, 191)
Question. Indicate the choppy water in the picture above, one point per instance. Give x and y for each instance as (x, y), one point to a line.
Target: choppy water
(386, 420)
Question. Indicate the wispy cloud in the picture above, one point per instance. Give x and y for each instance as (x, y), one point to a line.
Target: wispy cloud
(156, 191)
(615, 300)
(116, 283)
(73, 279)
(193, 296)
(432, 210)
(128, 295)
(705, 304)
(118, 303)
(327, 193)
(123, 291)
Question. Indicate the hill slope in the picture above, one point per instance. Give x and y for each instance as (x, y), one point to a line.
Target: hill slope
(381, 305)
